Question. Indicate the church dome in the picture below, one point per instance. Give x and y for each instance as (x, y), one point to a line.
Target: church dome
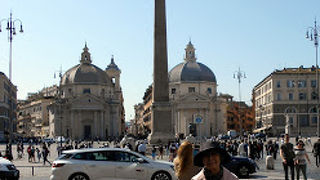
(85, 72)
(190, 70)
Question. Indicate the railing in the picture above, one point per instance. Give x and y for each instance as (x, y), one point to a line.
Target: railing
(24, 170)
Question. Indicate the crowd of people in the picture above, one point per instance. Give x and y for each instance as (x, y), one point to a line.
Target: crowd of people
(194, 161)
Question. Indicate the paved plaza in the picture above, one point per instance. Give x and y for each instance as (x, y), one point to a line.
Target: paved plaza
(43, 172)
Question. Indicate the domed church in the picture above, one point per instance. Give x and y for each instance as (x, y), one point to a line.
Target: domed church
(90, 102)
(197, 109)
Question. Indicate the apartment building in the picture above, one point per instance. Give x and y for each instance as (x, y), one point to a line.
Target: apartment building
(287, 98)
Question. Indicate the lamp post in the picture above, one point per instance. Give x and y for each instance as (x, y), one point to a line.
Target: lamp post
(239, 75)
(313, 34)
(11, 32)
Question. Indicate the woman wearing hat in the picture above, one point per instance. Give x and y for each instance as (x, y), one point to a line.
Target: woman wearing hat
(210, 157)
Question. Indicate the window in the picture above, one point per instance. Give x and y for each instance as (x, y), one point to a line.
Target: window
(269, 98)
(313, 95)
(290, 83)
(302, 96)
(302, 83)
(278, 96)
(173, 90)
(124, 157)
(291, 120)
(86, 91)
(304, 121)
(278, 84)
(314, 119)
(113, 81)
(290, 96)
(313, 83)
(192, 89)
(94, 156)
(209, 90)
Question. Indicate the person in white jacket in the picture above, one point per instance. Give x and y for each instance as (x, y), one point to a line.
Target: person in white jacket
(241, 149)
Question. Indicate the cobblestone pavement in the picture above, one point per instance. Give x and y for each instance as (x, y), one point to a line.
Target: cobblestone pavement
(42, 172)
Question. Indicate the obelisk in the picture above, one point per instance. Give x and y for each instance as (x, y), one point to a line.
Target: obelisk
(161, 125)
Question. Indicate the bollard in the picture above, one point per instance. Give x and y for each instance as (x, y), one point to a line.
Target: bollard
(32, 170)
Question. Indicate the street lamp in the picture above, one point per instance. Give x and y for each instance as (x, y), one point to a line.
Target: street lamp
(11, 32)
(313, 34)
(239, 75)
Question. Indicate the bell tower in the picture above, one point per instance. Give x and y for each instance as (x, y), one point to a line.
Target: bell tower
(114, 73)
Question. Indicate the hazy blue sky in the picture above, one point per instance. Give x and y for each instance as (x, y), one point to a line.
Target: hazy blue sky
(258, 36)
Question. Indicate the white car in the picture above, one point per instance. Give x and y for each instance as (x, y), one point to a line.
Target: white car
(109, 163)
(8, 170)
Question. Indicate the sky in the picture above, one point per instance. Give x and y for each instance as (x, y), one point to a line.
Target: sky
(255, 36)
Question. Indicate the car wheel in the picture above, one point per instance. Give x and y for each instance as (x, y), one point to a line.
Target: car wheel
(243, 171)
(79, 176)
(162, 175)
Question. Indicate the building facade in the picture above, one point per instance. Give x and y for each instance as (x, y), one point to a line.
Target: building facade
(287, 97)
(33, 116)
(196, 106)
(89, 103)
(8, 105)
(239, 111)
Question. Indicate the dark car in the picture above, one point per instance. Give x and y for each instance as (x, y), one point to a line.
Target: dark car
(260, 135)
(8, 170)
(224, 137)
(241, 166)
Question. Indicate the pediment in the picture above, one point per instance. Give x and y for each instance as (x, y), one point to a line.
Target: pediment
(87, 101)
(193, 97)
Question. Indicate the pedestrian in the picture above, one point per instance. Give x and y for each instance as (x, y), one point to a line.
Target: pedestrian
(276, 148)
(300, 160)
(142, 148)
(160, 152)
(29, 153)
(270, 148)
(45, 152)
(316, 151)
(210, 157)
(38, 154)
(183, 163)
(172, 152)
(287, 155)
(33, 159)
(241, 149)
(153, 152)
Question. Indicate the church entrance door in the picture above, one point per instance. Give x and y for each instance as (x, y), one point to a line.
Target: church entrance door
(87, 132)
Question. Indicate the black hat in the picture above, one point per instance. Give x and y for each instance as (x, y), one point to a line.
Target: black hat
(210, 147)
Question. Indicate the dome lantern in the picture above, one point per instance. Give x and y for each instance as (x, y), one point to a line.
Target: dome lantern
(85, 55)
(190, 53)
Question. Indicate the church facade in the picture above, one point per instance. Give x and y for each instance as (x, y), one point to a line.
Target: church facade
(90, 102)
(196, 107)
